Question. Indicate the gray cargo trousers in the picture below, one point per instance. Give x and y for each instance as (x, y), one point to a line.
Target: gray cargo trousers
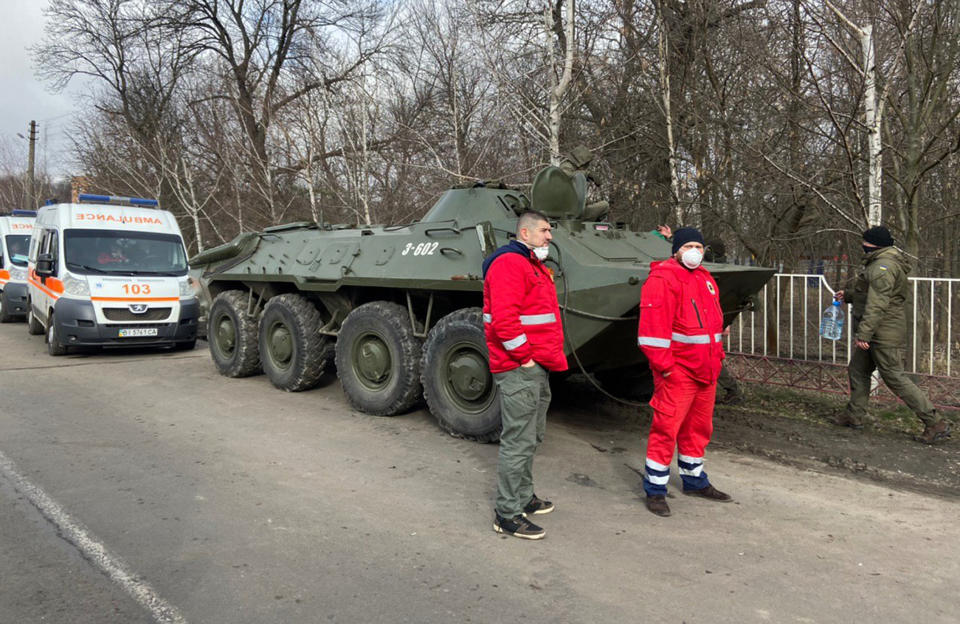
(524, 399)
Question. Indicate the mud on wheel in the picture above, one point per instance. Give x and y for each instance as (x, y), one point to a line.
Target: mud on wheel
(292, 353)
(232, 335)
(457, 383)
(378, 359)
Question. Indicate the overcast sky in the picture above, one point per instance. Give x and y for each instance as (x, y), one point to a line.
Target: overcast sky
(22, 96)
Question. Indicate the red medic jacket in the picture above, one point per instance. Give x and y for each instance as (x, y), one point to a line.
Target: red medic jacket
(681, 322)
(521, 316)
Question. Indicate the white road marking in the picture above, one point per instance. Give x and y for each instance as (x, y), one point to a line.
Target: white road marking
(91, 548)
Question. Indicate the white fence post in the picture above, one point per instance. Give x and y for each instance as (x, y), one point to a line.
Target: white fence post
(788, 309)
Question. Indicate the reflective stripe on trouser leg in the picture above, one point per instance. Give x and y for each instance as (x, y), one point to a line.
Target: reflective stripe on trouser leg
(655, 478)
(520, 405)
(666, 403)
(672, 399)
(694, 436)
(691, 472)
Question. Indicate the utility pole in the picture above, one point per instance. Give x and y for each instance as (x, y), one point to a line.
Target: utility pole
(31, 190)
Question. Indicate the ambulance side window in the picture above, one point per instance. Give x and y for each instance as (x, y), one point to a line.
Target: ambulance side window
(49, 245)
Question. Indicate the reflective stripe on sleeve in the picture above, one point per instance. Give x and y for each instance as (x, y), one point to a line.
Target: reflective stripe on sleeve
(513, 343)
(650, 341)
(718, 337)
(537, 319)
(529, 319)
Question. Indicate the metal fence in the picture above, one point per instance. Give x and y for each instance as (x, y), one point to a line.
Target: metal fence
(779, 341)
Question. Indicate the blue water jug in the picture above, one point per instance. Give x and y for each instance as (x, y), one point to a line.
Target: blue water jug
(831, 324)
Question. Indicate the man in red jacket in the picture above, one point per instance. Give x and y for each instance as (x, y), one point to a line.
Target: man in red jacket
(681, 325)
(524, 340)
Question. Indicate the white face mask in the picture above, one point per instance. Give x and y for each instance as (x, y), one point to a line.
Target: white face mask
(541, 252)
(691, 258)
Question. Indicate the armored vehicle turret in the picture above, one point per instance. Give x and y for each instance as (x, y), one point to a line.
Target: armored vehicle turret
(398, 308)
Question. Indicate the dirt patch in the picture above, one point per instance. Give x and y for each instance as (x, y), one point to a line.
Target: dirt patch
(795, 428)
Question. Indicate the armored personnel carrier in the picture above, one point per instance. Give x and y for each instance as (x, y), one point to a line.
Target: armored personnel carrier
(398, 308)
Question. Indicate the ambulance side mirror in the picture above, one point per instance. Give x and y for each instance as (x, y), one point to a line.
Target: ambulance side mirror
(45, 264)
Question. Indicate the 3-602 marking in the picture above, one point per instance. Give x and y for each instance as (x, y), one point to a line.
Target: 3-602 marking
(421, 249)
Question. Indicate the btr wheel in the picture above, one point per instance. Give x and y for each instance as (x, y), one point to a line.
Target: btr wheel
(457, 383)
(292, 352)
(378, 359)
(54, 345)
(232, 335)
(34, 326)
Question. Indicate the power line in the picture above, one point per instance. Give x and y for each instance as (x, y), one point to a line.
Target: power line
(55, 117)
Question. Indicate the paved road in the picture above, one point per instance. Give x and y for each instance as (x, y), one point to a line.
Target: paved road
(227, 501)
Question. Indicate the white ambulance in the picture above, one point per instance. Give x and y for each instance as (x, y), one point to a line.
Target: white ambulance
(109, 271)
(15, 230)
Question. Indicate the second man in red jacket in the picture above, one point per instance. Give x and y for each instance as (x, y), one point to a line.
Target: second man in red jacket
(680, 329)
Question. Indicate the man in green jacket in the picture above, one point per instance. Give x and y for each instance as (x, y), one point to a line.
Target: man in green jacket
(878, 294)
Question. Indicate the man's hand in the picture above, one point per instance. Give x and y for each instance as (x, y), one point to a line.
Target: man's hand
(529, 364)
(838, 296)
(665, 231)
(863, 344)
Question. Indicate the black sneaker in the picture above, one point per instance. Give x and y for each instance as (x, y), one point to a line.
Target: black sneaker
(518, 526)
(537, 506)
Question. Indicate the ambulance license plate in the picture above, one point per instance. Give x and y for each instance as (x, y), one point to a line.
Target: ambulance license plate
(138, 332)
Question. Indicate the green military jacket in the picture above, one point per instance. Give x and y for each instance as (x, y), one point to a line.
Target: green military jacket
(878, 294)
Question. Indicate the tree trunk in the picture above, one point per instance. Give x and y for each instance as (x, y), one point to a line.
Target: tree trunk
(559, 87)
(663, 49)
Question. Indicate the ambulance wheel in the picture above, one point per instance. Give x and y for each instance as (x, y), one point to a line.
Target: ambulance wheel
(457, 383)
(292, 351)
(34, 326)
(378, 359)
(54, 345)
(232, 335)
(4, 317)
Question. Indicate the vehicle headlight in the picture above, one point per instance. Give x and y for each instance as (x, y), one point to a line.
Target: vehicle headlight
(76, 286)
(186, 288)
(18, 274)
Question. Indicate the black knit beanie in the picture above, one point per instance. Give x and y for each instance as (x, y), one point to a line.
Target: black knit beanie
(686, 235)
(879, 236)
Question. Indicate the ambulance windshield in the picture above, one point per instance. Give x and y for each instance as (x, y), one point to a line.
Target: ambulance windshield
(124, 253)
(17, 246)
